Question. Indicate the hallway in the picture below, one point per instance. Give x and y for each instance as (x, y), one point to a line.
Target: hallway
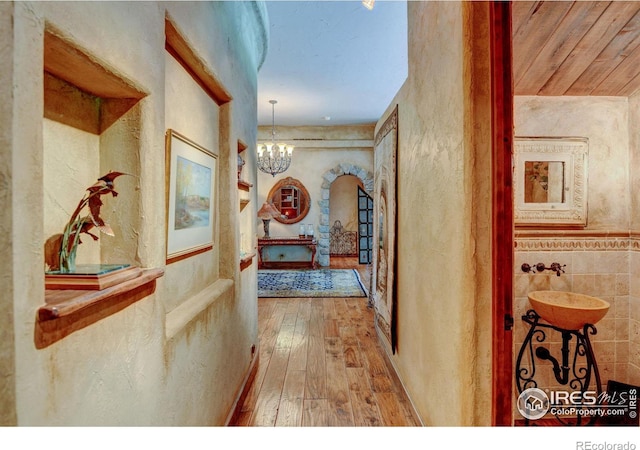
(321, 365)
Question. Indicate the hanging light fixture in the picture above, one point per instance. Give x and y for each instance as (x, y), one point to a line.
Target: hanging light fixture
(274, 158)
(368, 4)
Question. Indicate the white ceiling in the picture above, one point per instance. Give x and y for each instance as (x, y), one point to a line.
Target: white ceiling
(333, 59)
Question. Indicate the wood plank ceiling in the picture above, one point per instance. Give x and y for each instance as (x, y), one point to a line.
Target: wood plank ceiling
(576, 48)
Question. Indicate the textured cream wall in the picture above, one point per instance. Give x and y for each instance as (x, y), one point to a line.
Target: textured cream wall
(139, 366)
(634, 161)
(604, 121)
(72, 159)
(634, 264)
(344, 202)
(7, 223)
(442, 208)
(634, 316)
(191, 112)
(309, 165)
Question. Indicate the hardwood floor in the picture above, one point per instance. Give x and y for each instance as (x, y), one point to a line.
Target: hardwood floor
(321, 365)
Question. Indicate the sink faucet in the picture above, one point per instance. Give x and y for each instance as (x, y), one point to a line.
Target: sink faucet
(540, 267)
(557, 268)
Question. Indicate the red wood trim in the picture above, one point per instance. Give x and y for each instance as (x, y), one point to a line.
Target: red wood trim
(502, 210)
(67, 311)
(246, 261)
(245, 186)
(188, 254)
(234, 416)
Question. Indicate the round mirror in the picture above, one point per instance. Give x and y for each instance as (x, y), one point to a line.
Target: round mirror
(291, 198)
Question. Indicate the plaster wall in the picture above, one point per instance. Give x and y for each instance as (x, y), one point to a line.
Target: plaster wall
(443, 186)
(344, 202)
(144, 365)
(634, 316)
(7, 223)
(72, 159)
(634, 160)
(191, 112)
(605, 122)
(634, 263)
(311, 163)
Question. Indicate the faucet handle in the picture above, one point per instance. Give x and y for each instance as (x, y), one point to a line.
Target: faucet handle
(557, 268)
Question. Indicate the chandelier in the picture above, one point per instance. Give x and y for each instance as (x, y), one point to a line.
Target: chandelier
(274, 158)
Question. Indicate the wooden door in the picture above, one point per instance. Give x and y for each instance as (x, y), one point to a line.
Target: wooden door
(365, 227)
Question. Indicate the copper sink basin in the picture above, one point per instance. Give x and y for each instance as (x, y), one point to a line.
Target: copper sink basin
(568, 310)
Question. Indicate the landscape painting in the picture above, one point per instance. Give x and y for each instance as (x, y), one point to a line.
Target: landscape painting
(193, 190)
(191, 181)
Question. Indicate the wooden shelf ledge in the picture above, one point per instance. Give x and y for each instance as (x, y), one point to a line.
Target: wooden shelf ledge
(66, 311)
(246, 261)
(245, 186)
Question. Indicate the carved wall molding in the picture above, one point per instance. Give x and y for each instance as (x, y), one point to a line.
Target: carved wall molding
(572, 241)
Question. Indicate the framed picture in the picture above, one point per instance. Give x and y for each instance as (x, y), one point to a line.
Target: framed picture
(191, 181)
(550, 186)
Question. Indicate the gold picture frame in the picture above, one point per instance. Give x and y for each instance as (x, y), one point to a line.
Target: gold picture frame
(190, 197)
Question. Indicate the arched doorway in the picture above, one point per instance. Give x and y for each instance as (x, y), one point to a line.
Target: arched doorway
(365, 176)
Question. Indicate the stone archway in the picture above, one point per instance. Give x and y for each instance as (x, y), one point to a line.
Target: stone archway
(327, 179)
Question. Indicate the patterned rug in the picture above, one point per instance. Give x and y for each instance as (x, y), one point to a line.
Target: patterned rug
(310, 283)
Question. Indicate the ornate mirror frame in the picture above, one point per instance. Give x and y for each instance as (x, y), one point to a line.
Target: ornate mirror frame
(305, 199)
(572, 154)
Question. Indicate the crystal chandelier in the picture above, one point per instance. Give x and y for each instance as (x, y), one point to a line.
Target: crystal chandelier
(274, 158)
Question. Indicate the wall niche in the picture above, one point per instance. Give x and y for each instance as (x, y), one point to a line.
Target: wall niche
(90, 127)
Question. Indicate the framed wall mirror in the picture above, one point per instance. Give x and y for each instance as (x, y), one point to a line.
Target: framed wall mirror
(550, 186)
(291, 198)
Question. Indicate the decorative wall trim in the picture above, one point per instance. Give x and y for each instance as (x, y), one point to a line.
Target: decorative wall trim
(576, 240)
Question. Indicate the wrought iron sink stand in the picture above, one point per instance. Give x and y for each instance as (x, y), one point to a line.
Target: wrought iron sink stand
(577, 376)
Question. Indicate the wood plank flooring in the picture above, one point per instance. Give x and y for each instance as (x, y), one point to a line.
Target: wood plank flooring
(321, 365)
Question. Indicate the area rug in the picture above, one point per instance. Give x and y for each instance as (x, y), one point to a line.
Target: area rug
(310, 283)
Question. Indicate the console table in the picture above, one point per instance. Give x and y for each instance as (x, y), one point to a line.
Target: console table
(286, 252)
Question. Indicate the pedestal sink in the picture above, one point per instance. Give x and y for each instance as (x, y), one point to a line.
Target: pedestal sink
(568, 310)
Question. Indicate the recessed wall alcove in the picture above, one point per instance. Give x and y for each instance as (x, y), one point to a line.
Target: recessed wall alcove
(90, 126)
(327, 179)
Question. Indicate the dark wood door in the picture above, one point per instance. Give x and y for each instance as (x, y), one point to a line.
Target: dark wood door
(365, 227)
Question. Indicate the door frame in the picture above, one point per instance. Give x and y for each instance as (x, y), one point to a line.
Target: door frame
(502, 212)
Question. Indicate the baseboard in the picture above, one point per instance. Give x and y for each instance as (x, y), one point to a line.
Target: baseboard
(393, 371)
(246, 385)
